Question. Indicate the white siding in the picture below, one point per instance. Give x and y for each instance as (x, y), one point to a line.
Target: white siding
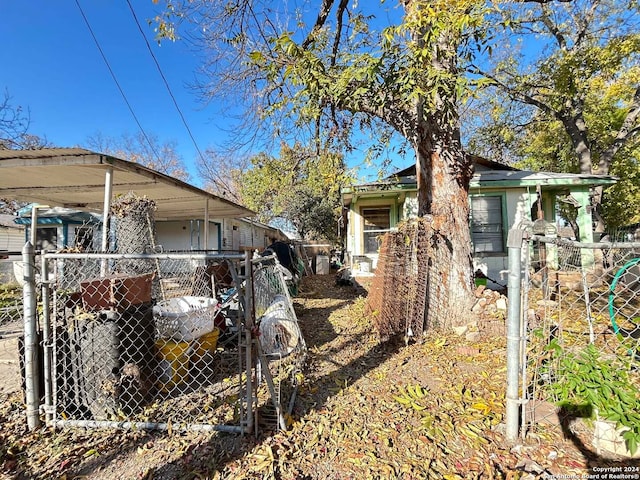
(11, 239)
(185, 235)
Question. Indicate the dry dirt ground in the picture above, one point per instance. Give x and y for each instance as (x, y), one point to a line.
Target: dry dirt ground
(366, 409)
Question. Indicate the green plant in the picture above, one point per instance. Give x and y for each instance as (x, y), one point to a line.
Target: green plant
(600, 388)
(10, 293)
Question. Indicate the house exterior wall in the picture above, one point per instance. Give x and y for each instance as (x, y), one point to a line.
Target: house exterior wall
(11, 238)
(410, 205)
(355, 228)
(240, 235)
(187, 235)
(517, 204)
(254, 236)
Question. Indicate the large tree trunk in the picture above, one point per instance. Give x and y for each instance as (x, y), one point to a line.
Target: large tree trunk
(443, 175)
(443, 172)
(577, 130)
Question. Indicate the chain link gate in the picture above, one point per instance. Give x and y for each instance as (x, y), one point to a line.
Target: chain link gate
(580, 317)
(280, 345)
(157, 342)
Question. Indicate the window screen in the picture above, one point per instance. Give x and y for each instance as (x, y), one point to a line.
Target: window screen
(376, 223)
(486, 224)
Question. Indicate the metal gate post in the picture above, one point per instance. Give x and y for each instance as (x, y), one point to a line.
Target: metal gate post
(32, 393)
(248, 331)
(514, 318)
(47, 341)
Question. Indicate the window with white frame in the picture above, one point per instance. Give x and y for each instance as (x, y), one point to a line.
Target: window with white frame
(377, 221)
(487, 224)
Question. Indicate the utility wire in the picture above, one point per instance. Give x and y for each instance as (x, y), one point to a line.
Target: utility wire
(166, 83)
(221, 186)
(113, 75)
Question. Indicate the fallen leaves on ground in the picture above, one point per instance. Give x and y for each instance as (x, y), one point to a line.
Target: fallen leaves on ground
(366, 408)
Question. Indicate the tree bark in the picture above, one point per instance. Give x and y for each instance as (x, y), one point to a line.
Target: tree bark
(576, 127)
(443, 175)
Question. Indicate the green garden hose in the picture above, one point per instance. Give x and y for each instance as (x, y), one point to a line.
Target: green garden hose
(616, 328)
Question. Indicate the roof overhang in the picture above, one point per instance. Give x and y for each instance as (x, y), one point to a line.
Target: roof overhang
(375, 190)
(524, 178)
(76, 178)
(485, 179)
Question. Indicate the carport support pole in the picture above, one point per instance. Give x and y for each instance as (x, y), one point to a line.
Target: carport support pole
(108, 191)
(30, 337)
(33, 236)
(514, 242)
(206, 225)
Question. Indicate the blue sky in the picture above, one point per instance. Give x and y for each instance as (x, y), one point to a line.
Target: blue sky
(49, 63)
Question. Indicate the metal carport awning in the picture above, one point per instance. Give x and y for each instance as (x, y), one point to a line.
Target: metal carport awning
(85, 180)
(77, 178)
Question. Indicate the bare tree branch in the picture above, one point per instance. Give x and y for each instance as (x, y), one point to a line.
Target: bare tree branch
(342, 8)
(627, 132)
(515, 94)
(323, 14)
(553, 28)
(14, 123)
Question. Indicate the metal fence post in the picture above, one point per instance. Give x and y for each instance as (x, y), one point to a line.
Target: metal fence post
(47, 340)
(32, 393)
(514, 243)
(248, 327)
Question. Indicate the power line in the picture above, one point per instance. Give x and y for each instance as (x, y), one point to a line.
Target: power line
(166, 83)
(113, 75)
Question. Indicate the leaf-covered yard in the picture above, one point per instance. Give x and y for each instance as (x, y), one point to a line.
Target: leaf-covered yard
(366, 409)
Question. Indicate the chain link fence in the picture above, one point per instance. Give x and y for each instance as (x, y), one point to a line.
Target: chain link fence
(162, 341)
(151, 340)
(396, 300)
(581, 336)
(280, 344)
(137, 338)
(10, 303)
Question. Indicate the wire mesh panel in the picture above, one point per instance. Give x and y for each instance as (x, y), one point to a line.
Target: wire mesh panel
(281, 346)
(582, 325)
(158, 341)
(399, 290)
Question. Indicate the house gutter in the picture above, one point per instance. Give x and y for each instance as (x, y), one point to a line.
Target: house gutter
(534, 182)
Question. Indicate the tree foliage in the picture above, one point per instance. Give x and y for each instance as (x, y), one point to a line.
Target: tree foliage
(142, 148)
(326, 69)
(299, 187)
(574, 70)
(347, 69)
(621, 206)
